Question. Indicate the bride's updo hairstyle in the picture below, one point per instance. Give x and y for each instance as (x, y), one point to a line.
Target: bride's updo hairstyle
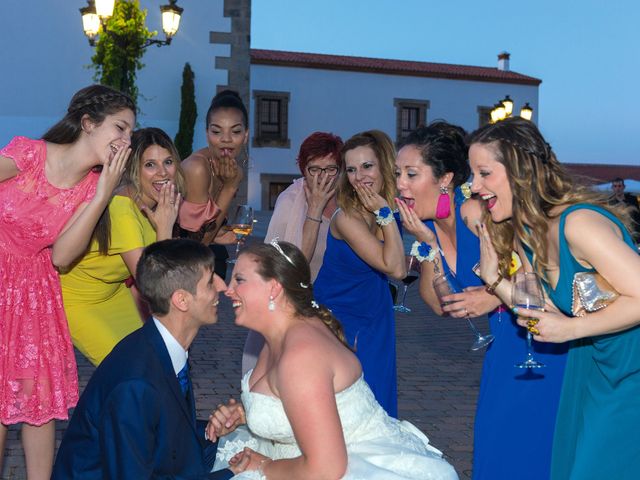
(291, 269)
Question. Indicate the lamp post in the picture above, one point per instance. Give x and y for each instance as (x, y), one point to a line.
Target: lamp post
(504, 109)
(97, 13)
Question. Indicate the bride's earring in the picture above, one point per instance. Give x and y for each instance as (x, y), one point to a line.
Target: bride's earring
(272, 304)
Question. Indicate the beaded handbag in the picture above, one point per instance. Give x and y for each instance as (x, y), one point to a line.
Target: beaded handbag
(591, 292)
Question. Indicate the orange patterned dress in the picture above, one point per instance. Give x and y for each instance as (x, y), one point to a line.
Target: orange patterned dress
(38, 374)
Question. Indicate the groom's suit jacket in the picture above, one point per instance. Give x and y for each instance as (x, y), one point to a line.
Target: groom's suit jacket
(133, 422)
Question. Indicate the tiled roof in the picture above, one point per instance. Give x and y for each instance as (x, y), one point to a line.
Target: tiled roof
(592, 173)
(390, 67)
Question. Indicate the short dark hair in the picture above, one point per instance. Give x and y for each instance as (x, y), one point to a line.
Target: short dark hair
(618, 180)
(170, 265)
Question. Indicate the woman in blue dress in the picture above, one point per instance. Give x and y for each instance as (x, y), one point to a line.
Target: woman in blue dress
(364, 246)
(431, 169)
(560, 229)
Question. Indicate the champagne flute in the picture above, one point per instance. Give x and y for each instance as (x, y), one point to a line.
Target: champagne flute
(526, 293)
(413, 273)
(447, 284)
(241, 225)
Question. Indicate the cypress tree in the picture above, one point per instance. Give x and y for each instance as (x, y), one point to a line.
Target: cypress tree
(188, 114)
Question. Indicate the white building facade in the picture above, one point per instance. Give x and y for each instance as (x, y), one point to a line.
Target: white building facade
(45, 57)
(294, 94)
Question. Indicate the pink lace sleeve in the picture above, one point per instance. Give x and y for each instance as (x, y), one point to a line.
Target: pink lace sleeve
(24, 151)
(193, 215)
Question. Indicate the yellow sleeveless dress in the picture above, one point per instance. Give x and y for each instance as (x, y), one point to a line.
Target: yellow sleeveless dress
(100, 308)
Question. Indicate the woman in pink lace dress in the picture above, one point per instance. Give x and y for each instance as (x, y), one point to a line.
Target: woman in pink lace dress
(50, 201)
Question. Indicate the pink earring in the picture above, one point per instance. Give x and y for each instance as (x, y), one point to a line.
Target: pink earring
(443, 209)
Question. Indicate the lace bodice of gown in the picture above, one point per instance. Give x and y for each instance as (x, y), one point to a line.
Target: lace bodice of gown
(362, 419)
(379, 447)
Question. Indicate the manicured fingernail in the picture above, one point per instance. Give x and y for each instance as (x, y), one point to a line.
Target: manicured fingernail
(515, 310)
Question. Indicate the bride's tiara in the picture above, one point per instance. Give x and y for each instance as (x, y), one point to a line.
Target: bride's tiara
(274, 243)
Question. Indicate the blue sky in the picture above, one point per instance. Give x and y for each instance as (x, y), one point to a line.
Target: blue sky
(586, 52)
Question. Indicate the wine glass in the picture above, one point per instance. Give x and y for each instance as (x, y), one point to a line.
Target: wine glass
(447, 284)
(526, 293)
(241, 225)
(413, 273)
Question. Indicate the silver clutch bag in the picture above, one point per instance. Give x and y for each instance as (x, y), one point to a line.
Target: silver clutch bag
(591, 292)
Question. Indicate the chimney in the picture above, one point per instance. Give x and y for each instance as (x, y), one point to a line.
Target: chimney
(503, 61)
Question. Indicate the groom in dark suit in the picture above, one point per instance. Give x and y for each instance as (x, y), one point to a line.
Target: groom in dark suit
(136, 417)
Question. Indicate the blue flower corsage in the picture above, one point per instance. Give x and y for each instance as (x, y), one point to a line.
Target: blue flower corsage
(423, 251)
(384, 216)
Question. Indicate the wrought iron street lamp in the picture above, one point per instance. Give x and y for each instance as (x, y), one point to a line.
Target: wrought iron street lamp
(97, 12)
(504, 109)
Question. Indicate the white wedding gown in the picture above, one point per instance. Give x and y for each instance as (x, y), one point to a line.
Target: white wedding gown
(379, 447)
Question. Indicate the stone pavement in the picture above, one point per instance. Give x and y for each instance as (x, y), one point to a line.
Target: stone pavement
(437, 379)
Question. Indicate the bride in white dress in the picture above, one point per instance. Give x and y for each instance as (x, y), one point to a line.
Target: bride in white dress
(309, 412)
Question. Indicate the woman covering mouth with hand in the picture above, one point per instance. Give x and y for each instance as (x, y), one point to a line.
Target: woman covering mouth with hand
(98, 292)
(364, 246)
(431, 171)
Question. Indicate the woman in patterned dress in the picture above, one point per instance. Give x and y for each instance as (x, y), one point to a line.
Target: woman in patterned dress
(51, 198)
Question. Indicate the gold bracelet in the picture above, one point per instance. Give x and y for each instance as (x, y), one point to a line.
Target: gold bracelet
(491, 289)
(317, 220)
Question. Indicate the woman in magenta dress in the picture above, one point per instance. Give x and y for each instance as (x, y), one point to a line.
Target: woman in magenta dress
(50, 201)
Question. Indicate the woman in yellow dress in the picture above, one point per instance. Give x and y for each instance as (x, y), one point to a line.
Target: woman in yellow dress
(98, 299)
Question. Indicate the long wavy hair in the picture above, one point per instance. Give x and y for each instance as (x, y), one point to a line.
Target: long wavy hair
(295, 278)
(140, 141)
(538, 183)
(385, 153)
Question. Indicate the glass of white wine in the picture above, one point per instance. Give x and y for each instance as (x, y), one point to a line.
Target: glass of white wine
(526, 293)
(241, 225)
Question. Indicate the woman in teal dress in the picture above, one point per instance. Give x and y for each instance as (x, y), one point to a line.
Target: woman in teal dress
(435, 207)
(560, 228)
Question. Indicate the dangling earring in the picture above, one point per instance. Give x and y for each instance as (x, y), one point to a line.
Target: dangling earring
(272, 304)
(443, 210)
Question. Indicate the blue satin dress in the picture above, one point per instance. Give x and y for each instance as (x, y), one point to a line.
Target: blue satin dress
(516, 409)
(359, 297)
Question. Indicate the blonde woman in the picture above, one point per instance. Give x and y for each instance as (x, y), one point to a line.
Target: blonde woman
(364, 247)
(98, 293)
(561, 229)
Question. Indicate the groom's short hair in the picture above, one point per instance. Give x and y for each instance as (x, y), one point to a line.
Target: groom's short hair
(170, 265)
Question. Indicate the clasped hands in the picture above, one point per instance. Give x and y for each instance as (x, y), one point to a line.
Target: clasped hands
(224, 420)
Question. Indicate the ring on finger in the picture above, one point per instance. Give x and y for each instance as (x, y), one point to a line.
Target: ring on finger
(532, 322)
(533, 330)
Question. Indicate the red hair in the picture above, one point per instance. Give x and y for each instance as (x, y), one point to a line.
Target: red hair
(318, 145)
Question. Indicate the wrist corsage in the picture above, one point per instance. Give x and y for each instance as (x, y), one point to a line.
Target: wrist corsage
(384, 216)
(423, 251)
